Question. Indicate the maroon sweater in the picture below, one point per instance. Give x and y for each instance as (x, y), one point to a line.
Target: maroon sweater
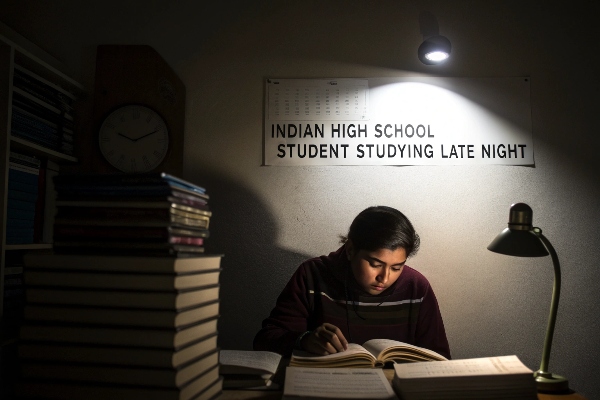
(323, 289)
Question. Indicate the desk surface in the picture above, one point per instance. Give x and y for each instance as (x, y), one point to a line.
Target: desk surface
(389, 373)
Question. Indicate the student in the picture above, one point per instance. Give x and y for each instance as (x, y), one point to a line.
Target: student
(362, 291)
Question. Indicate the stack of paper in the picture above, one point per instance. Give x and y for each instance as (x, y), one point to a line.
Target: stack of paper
(503, 377)
(336, 383)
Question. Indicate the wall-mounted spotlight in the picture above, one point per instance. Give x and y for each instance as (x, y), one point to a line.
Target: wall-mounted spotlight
(434, 50)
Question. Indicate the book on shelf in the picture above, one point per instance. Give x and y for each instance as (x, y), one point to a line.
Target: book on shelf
(121, 317)
(23, 196)
(116, 355)
(47, 92)
(337, 383)
(24, 159)
(22, 173)
(244, 369)
(372, 353)
(172, 300)
(28, 195)
(22, 187)
(504, 377)
(142, 337)
(123, 263)
(207, 386)
(125, 375)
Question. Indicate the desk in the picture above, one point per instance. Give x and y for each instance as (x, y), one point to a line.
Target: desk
(389, 374)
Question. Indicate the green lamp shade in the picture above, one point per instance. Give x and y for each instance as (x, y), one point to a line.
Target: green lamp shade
(519, 243)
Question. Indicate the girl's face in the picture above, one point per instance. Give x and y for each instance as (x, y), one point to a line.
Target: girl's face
(375, 271)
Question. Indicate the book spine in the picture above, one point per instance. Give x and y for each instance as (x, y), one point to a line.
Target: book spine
(24, 159)
(25, 169)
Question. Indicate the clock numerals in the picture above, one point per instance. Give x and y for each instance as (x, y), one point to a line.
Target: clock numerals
(147, 163)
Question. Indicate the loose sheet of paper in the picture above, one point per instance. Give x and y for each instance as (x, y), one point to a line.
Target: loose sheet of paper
(340, 383)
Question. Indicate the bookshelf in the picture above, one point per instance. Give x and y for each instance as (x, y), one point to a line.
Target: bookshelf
(37, 121)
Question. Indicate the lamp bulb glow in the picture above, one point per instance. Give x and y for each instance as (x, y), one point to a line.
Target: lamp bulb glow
(437, 56)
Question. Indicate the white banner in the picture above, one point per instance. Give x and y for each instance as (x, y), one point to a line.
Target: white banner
(398, 121)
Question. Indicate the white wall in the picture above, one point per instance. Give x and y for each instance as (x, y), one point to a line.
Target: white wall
(268, 219)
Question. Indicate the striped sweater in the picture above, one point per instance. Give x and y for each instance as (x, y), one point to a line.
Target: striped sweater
(323, 289)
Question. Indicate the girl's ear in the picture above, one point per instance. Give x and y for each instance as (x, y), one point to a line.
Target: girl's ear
(349, 249)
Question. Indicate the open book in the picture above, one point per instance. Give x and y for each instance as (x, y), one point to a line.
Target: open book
(373, 353)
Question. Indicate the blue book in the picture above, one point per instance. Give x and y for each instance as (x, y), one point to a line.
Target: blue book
(25, 196)
(19, 239)
(18, 175)
(20, 223)
(23, 187)
(19, 231)
(20, 214)
(20, 205)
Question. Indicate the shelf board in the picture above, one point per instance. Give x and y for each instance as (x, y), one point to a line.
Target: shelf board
(31, 246)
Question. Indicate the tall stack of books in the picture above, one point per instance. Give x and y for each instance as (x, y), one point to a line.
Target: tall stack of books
(122, 309)
(23, 194)
(42, 112)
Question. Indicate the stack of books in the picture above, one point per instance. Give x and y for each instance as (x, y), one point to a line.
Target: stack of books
(23, 194)
(120, 326)
(146, 214)
(247, 369)
(127, 304)
(42, 112)
(504, 377)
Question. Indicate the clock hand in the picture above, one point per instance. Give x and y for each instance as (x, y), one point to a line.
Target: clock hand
(147, 134)
(126, 137)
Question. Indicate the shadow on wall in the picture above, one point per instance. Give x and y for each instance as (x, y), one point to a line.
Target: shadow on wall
(255, 269)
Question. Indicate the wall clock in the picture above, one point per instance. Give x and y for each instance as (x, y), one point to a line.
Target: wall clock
(134, 138)
(137, 92)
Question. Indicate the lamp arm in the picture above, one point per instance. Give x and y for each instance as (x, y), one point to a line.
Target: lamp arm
(553, 306)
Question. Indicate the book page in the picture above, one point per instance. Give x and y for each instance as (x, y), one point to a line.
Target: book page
(353, 349)
(248, 361)
(503, 365)
(338, 383)
(377, 346)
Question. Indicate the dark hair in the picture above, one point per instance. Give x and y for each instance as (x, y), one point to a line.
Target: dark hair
(383, 227)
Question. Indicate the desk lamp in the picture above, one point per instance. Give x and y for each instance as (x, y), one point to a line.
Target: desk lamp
(521, 239)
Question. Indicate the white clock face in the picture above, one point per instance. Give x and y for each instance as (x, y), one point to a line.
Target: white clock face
(134, 138)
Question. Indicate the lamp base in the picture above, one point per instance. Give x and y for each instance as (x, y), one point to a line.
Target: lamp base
(547, 382)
